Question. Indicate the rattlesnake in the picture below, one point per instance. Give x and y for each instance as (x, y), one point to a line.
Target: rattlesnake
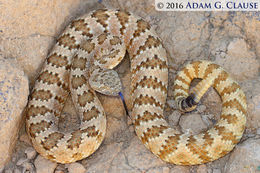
(78, 54)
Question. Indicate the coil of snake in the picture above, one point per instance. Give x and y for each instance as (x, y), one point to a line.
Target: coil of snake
(82, 60)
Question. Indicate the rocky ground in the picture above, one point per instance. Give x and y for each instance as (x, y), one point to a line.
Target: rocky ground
(28, 30)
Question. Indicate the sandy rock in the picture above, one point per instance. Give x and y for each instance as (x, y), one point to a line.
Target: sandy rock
(174, 118)
(28, 167)
(252, 90)
(76, 168)
(250, 23)
(213, 104)
(159, 170)
(202, 169)
(172, 104)
(180, 169)
(25, 138)
(201, 108)
(17, 171)
(240, 61)
(21, 161)
(139, 157)
(258, 131)
(13, 89)
(245, 157)
(30, 28)
(60, 168)
(216, 171)
(192, 123)
(216, 19)
(113, 105)
(59, 171)
(30, 152)
(182, 29)
(122, 157)
(43, 165)
(104, 158)
(8, 171)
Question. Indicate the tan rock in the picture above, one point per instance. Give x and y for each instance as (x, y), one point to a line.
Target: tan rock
(29, 29)
(239, 61)
(76, 168)
(14, 92)
(25, 138)
(140, 157)
(104, 159)
(180, 169)
(174, 118)
(17, 170)
(192, 123)
(30, 152)
(252, 90)
(245, 157)
(159, 170)
(43, 165)
(216, 171)
(202, 169)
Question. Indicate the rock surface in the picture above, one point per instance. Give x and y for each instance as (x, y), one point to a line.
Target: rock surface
(76, 168)
(14, 92)
(29, 30)
(43, 165)
(249, 151)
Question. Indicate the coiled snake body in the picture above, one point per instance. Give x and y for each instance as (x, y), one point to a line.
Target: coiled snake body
(98, 41)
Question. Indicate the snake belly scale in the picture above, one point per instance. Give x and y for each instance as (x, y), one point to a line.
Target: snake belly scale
(66, 70)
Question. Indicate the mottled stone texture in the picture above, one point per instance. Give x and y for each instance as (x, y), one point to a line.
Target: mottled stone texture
(14, 91)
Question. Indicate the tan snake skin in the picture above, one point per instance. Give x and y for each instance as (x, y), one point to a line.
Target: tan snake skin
(83, 48)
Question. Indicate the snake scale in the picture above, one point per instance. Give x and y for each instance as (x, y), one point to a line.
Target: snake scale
(97, 41)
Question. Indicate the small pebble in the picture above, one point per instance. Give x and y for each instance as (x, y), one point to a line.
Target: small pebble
(25, 138)
(258, 131)
(207, 120)
(17, 170)
(202, 169)
(172, 104)
(30, 153)
(210, 116)
(216, 171)
(28, 167)
(174, 118)
(193, 123)
(59, 171)
(201, 108)
(166, 170)
(14, 158)
(43, 165)
(21, 161)
(8, 171)
(76, 168)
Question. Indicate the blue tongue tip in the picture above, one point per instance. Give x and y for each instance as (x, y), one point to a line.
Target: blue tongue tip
(123, 100)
